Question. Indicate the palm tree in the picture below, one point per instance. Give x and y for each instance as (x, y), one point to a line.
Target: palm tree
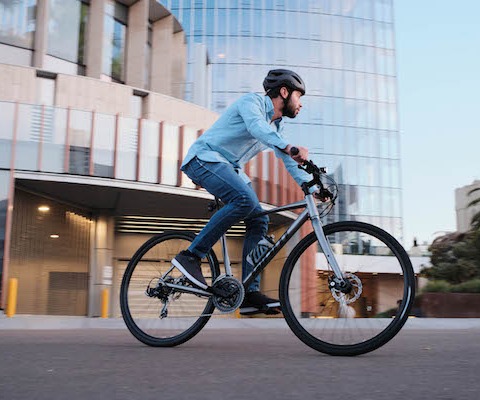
(476, 217)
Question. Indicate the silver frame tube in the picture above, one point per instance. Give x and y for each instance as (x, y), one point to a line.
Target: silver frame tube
(324, 243)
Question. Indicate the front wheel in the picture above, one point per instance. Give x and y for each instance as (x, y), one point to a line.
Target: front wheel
(154, 314)
(361, 318)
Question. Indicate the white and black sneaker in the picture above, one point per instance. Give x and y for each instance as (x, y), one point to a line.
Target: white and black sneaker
(258, 303)
(190, 266)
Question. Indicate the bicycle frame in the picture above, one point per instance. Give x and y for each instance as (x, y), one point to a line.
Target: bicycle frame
(311, 212)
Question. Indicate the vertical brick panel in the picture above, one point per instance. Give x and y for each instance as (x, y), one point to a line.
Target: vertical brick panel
(271, 178)
(66, 157)
(283, 185)
(160, 147)
(92, 145)
(139, 149)
(260, 190)
(199, 133)
(115, 149)
(181, 134)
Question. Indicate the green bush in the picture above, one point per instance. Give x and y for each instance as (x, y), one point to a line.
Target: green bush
(472, 286)
(439, 286)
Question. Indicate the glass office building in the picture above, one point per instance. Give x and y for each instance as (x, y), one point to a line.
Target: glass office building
(344, 50)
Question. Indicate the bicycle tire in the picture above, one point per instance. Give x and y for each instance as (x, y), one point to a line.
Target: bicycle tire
(187, 314)
(331, 325)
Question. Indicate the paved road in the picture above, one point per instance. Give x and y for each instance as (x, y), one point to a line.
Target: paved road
(234, 364)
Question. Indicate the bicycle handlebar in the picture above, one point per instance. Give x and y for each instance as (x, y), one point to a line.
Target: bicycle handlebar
(310, 168)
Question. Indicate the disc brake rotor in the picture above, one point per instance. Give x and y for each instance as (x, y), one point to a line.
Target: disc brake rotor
(347, 298)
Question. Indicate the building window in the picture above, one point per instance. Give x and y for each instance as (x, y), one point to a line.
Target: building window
(17, 22)
(66, 29)
(116, 16)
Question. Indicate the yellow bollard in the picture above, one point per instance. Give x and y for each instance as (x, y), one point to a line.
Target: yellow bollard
(105, 298)
(12, 297)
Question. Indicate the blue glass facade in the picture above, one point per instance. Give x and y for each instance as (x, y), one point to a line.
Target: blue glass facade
(344, 50)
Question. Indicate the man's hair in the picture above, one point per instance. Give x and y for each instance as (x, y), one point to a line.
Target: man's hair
(275, 92)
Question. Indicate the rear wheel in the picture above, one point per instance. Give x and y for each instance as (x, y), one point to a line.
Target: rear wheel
(370, 313)
(154, 314)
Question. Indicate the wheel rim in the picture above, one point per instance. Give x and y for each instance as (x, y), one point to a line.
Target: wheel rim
(323, 319)
(186, 312)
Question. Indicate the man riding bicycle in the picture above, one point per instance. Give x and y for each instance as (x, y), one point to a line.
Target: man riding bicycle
(250, 125)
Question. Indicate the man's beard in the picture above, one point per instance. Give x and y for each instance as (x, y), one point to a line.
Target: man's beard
(289, 110)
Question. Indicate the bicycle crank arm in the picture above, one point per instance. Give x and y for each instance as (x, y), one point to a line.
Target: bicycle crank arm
(186, 289)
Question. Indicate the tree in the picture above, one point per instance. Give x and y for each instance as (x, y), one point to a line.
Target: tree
(476, 217)
(456, 256)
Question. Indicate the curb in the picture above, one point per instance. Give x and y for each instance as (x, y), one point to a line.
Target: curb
(36, 322)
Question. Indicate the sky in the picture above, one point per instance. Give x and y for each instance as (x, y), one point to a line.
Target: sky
(438, 69)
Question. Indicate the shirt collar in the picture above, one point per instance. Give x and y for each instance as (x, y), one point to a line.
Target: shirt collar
(269, 107)
(270, 111)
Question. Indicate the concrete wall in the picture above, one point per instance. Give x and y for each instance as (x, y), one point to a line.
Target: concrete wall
(17, 84)
(84, 93)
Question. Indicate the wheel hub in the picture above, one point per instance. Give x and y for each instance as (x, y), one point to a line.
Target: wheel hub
(347, 292)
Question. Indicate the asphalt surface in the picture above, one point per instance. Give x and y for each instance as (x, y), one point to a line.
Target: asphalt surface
(234, 364)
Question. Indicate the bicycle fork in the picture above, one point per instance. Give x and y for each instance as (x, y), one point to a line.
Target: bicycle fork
(339, 279)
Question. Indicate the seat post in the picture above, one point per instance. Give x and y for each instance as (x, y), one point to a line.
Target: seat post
(226, 258)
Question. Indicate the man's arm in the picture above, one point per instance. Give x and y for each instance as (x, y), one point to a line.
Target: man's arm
(251, 111)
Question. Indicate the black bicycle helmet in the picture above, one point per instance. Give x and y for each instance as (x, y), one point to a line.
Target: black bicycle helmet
(283, 77)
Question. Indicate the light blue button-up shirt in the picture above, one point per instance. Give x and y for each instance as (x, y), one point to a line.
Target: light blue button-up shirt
(240, 133)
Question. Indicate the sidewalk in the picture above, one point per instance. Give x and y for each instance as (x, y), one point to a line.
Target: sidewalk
(65, 322)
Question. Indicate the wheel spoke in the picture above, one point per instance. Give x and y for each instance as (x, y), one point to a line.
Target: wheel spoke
(367, 315)
(163, 316)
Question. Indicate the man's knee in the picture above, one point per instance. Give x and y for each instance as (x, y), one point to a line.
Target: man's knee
(246, 204)
(258, 223)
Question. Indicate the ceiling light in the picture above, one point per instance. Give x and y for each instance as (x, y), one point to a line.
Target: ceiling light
(44, 208)
(54, 236)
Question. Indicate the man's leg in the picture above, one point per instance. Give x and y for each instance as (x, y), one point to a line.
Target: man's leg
(221, 180)
(255, 302)
(239, 200)
(256, 229)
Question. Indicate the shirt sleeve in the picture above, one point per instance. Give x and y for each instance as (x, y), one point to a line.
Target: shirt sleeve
(252, 113)
(298, 174)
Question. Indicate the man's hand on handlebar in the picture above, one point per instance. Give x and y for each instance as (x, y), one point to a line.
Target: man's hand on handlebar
(323, 195)
(298, 153)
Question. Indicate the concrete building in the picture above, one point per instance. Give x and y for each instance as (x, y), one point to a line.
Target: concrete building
(465, 212)
(94, 129)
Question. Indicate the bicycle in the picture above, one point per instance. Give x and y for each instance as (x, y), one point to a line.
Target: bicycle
(353, 298)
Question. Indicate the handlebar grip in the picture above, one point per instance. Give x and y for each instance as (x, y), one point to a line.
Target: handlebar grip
(294, 151)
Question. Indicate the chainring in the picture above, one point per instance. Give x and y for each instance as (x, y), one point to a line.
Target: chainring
(235, 290)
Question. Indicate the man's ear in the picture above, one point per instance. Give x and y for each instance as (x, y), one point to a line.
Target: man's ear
(284, 92)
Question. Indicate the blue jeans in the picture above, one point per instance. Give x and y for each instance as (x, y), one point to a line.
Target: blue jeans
(241, 201)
